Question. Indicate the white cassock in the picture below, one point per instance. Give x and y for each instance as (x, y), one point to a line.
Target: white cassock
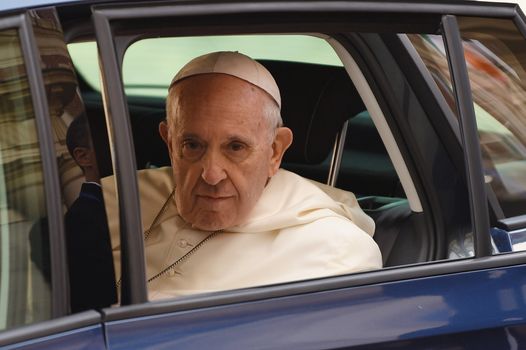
(298, 230)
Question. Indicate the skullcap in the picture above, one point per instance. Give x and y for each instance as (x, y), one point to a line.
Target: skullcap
(234, 64)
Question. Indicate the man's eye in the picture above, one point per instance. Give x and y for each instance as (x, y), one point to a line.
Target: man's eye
(192, 149)
(191, 145)
(237, 151)
(236, 146)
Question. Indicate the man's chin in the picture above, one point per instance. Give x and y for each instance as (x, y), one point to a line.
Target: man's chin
(210, 220)
(209, 224)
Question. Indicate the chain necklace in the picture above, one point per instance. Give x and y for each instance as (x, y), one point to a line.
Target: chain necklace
(184, 257)
(181, 259)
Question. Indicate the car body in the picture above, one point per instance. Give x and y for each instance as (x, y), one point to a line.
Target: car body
(422, 116)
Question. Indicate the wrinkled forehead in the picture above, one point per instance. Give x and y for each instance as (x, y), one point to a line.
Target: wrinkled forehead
(217, 97)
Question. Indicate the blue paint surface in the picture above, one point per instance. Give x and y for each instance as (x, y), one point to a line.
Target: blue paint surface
(84, 338)
(459, 306)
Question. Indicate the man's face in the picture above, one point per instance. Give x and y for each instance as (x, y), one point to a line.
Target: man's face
(220, 149)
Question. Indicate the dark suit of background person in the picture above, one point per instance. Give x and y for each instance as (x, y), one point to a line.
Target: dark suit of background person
(91, 271)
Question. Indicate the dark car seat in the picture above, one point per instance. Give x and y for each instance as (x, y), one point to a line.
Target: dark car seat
(316, 101)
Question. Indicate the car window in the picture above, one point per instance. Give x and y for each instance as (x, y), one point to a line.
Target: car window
(494, 54)
(25, 271)
(306, 109)
(309, 87)
(365, 168)
(288, 57)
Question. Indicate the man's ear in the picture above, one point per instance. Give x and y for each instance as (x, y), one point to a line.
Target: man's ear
(163, 131)
(83, 157)
(281, 143)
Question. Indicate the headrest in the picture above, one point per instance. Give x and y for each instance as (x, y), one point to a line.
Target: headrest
(316, 101)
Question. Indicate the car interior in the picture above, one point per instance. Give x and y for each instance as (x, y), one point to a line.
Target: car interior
(317, 101)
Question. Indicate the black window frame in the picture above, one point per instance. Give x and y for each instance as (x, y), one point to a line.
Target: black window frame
(469, 136)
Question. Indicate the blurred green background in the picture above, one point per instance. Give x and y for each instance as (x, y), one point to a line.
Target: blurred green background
(150, 64)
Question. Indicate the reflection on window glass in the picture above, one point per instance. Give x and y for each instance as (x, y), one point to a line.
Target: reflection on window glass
(87, 238)
(494, 50)
(24, 248)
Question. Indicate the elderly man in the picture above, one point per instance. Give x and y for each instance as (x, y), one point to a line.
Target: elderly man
(225, 216)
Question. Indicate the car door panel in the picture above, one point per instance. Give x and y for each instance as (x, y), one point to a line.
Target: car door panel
(80, 331)
(79, 338)
(475, 304)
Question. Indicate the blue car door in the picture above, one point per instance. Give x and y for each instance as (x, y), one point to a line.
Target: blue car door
(446, 284)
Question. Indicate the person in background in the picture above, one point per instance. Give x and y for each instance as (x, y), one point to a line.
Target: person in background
(91, 271)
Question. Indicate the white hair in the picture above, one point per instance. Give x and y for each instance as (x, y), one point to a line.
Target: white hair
(273, 114)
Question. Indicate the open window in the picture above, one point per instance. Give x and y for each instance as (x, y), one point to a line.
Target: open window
(389, 147)
(321, 105)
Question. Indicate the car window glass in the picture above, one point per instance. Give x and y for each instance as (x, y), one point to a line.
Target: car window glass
(496, 54)
(494, 51)
(87, 239)
(24, 248)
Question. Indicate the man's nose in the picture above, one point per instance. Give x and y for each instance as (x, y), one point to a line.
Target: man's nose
(213, 169)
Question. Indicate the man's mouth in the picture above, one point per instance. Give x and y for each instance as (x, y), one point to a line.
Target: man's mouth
(214, 198)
